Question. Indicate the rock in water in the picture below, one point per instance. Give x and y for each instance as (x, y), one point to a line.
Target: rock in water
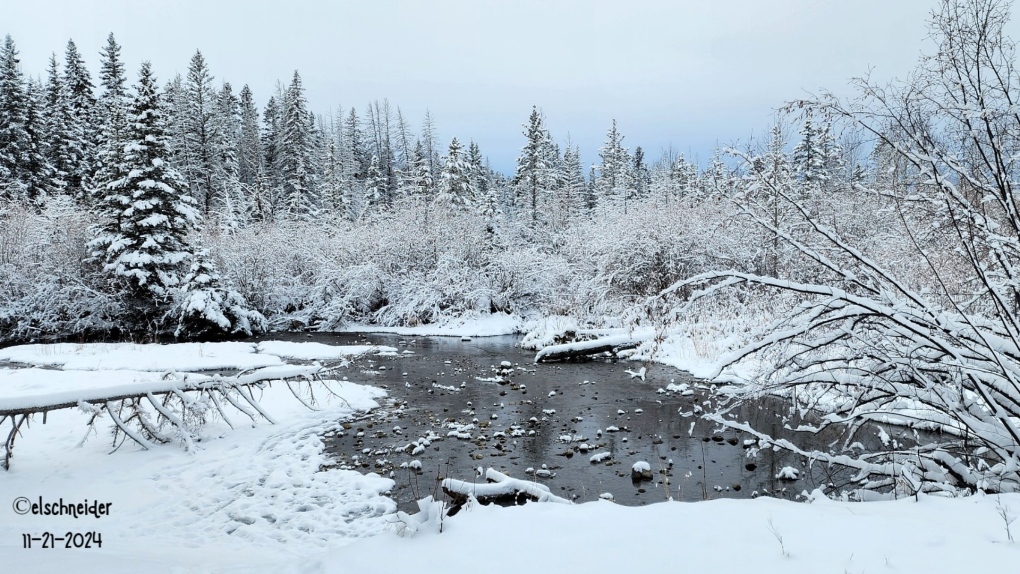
(641, 471)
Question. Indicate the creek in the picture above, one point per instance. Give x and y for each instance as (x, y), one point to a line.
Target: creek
(546, 421)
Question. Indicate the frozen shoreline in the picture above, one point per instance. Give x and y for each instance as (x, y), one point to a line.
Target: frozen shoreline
(482, 326)
(253, 499)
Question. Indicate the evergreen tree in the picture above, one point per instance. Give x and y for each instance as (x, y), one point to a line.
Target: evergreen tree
(375, 187)
(203, 138)
(534, 177)
(639, 175)
(486, 200)
(355, 154)
(267, 198)
(249, 151)
(332, 184)
(685, 177)
(227, 122)
(112, 77)
(55, 125)
(37, 173)
(455, 186)
(143, 242)
(614, 181)
(81, 123)
(113, 104)
(209, 306)
(15, 143)
(295, 155)
(573, 189)
(424, 186)
(591, 195)
(816, 156)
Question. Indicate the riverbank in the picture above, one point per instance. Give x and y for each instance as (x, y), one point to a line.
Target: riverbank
(269, 498)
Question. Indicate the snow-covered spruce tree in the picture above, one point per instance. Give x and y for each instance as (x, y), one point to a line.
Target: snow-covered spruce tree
(14, 138)
(422, 185)
(295, 155)
(375, 188)
(936, 350)
(816, 155)
(236, 209)
(81, 136)
(455, 188)
(39, 175)
(266, 199)
(249, 148)
(571, 196)
(614, 181)
(113, 104)
(203, 139)
(143, 243)
(533, 179)
(55, 121)
(144, 240)
(207, 306)
(25, 170)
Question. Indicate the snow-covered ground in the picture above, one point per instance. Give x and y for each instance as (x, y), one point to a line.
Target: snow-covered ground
(480, 326)
(253, 495)
(256, 499)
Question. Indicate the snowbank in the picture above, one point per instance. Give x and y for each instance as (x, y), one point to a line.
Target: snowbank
(308, 351)
(178, 356)
(481, 326)
(150, 357)
(931, 536)
(256, 498)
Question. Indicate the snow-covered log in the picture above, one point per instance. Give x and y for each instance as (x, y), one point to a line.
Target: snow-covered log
(179, 404)
(499, 487)
(612, 344)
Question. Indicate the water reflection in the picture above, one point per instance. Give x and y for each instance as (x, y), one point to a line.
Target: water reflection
(526, 422)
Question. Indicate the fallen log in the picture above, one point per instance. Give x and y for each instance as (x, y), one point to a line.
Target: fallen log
(499, 488)
(613, 344)
(176, 403)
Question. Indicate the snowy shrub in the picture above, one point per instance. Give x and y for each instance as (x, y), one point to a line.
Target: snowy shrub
(920, 329)
(47, 288)
(206, 306)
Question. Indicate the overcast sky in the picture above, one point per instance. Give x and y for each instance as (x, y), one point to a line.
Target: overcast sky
(686, 73)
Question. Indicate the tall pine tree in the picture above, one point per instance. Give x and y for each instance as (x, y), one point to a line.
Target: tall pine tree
(15, 144)
(81, 123)
(535, 177)
(148, 214)
(456, 188)
(296, 153)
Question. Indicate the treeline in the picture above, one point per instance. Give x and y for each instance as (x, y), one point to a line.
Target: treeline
(136, 200)
(244, 165)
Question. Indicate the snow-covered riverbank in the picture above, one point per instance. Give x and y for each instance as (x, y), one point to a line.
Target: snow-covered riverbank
(257, 499)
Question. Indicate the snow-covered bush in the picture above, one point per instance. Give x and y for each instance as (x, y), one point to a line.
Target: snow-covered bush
(920, 328)
(46, 286)
(207, 306)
